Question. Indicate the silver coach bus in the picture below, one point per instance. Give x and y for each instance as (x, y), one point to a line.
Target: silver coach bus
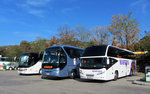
(61, 61)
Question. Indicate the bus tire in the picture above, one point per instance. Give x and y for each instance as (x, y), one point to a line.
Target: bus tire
(10, 68)
(116, 75)
(73, 74)
(15, 68)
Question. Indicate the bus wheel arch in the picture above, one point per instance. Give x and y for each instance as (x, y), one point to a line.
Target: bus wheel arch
(73, 74)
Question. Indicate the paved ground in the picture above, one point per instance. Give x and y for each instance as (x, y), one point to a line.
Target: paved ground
(12, 83)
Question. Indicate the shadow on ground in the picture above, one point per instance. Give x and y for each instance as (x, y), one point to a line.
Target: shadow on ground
(90, 81)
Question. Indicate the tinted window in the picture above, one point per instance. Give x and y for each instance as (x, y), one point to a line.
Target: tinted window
(73, 53)
(112, 61)
(93, 63)
(95, 51)
(28, 59)
(62, 59)
(54, 57)
(115, 52)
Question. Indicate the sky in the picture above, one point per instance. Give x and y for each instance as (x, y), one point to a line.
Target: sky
(27, 19)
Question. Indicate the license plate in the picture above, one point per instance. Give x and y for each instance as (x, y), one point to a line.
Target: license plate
(47, 73)
(89, 76)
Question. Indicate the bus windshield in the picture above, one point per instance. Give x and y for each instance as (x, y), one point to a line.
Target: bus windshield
(93, 63)
(27, 60)
(51, 56)
(95, 51)
(24, 59)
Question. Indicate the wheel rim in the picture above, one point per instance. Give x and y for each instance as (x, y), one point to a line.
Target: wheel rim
(10, 68)
(116, 76)
(72, 75)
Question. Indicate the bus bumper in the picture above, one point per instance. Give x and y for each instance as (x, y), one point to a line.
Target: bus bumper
(26, 71)
(93, 75)
(50, 72)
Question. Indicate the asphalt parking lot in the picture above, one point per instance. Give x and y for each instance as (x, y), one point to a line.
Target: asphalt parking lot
(12, 83)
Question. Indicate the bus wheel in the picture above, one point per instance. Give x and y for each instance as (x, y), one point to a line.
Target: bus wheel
(10, 68)
(116, 75)
(72, 74)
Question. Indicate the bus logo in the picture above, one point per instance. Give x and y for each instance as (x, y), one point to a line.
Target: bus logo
(124, 62)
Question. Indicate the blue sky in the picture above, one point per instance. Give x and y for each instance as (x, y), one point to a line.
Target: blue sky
(27, 19)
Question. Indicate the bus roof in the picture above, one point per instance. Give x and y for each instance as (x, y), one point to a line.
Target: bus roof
(101, 50)
(122, 49)
(66, 46)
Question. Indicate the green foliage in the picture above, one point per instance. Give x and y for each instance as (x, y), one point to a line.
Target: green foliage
(25, 46)
(38, 45)
(12, 51)
(145, 43)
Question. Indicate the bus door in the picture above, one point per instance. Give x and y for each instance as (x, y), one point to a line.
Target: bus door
(63, 63)
(73, 64)
(112, 67)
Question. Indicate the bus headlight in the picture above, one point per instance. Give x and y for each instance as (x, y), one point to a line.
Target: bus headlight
(81, 72)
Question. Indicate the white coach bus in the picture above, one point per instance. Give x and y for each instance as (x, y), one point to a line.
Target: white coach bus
(30, 63)
(105, 62)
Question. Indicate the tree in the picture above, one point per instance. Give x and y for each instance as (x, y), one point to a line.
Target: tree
(145, 42)
(13, 51)
(25, 46)
(100, 35)
(67, 36)
(51, 42)
(83, 33)
(124, 29)
(38, 45)
(2, 50)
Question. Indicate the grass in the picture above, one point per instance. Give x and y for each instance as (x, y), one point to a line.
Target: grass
(143, 79)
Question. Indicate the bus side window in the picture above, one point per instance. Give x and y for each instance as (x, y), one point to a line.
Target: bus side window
(72, 52)
(31, 61)
(112, 61)
(113, 52)
(62, 59)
